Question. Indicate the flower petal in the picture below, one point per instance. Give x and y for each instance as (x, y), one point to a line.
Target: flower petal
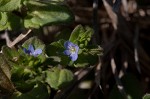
(71, 50)
(30, 48)
(37, 52)
(26, 51)
(67, 52)
(74, 57)
(68, 44)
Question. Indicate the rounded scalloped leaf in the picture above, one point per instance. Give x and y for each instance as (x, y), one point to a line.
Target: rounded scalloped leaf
(38, 92)
(9, 5)
(40, 14)
(81, 35)
(37, 43)
(146, 96)
(58, 78)
(10, 21)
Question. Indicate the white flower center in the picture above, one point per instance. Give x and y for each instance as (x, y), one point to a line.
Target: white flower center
(72, 50)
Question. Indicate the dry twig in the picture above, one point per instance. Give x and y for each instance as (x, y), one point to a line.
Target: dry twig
(19, 38)
(136, 57)
(111, 14)
(95, 22)
(118, 81)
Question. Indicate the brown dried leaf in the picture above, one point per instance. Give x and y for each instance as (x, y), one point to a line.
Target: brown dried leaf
(111, 14)
(6, 86)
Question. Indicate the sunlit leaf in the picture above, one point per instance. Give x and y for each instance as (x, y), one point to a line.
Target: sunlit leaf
(81, 36)
(9, 5)
(58, 78)
(40, 14)
(74, 38)
(146, 96)
(3, 20)
(10, 21)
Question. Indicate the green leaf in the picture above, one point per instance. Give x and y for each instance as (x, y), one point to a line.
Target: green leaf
(55, 48)
(14, 22)
(58, 78)
(40, 14)
(24, 86)
(146, 96)
(81, 36)
(9, 5)
(6, 86)
(85, 60)
(3, 20)
(88, 56)
(10, 54)
(10, 21)
(29, 24)
(64, 34)
(74, 38)
(94, 50)
(17, 63)
(38, 92)
(37, 44)
(55, 52)
(58, 1)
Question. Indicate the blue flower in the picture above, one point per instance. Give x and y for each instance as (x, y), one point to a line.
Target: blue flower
(71, 50)
(31, 51)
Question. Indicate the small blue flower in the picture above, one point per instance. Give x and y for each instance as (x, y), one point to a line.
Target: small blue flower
(71, 50)
(31, 51)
